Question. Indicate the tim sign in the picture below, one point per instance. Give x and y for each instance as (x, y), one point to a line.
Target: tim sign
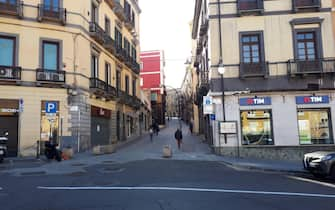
(255, 101)
(312, 99)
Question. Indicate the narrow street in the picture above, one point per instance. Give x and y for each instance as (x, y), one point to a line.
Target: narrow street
(137, 177)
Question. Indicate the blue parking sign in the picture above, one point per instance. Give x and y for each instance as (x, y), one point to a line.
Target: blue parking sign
(51, 107)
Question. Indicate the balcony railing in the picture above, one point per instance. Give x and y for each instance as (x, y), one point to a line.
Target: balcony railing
(96, 83)
(135, 66)
(119, 11)
(253, 70)
(119, 52)
(109, 44)
(47, 75)
(129, 23)
(97, 33)
(55, 14)
(12, 8)
(305, 67)
(300, 5)
(111, 91)
(250, 7)
(10, 73)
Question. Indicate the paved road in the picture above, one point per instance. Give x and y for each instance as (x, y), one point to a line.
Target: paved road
(137, 177)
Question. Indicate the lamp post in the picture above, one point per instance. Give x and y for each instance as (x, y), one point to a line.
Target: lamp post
(221, 71)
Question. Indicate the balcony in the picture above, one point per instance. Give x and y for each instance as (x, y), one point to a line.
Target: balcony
(111, 92)
(109, 44)
(98, 87)
(112, 3)
(253, 70)
(135, 66)
(306, 5)
(97, 33)
(204, 27)
(120, 53)
(129, 22)
(250, 7)
(119, 11)
(50, 76)
(14, 8)
(311, 67)
(10, 73)
(53, 14)
(122, 96)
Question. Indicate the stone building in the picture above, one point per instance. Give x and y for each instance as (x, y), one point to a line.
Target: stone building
(69, 71)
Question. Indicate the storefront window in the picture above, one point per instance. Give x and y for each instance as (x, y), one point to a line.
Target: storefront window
(314, 126)
(256, 127)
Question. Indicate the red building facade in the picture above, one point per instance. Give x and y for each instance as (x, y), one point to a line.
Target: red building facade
(152, 78)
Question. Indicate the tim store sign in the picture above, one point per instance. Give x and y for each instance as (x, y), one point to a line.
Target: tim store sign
(255, 101)
(312, 99)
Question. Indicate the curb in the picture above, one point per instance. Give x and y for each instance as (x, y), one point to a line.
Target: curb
(256, 168)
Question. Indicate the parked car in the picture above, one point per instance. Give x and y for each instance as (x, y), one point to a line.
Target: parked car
(321, 164)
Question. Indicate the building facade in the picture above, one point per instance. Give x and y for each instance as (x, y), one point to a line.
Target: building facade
(200, 70)
(272, 77)
(152, 78)
(69, 72)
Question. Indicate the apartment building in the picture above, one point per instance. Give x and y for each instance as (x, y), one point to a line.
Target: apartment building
(200, 70)
(272, 77)
(153, 80)
(69, 72)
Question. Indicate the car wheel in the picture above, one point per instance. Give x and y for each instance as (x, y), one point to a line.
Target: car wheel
(320, 176)
(332, 172)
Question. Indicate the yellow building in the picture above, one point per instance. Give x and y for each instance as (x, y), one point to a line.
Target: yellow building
(272, 77)
(69, 71)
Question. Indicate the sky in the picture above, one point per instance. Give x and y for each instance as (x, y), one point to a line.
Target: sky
(164, 25)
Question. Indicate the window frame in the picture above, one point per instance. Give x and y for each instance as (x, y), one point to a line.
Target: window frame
(134, 90)
(51, 7)
(58, 59)
(95, 72)
(108, 73)
(15, 50)
(108, 25)
(318, 41)
(126, 84)
(261, 45)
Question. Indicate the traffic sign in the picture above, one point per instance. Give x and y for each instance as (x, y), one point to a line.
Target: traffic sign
(50, 107)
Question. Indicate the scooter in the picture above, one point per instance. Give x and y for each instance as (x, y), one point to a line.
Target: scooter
(3, 146)
(51, 152)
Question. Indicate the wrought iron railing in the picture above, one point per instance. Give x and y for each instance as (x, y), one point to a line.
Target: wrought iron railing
(109, 44)
(111, 91)
(325, 65)
(96, 83)
(250, 6)
(305, 4)
(10, 73)
(48, 75)
(253, 69)
(12, 8)
(97, 32)
(51, 13)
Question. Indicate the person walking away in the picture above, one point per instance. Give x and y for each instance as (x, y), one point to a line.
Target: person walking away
(178, 135)
(151, 132)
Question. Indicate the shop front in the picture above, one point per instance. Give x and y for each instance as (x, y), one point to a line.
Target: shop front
(314, 122)
(100, 126)
(9, 122)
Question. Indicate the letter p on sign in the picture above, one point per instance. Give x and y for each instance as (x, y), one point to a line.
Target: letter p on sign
(51, 107)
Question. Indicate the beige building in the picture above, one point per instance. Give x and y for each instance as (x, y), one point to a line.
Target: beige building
(277, 59)
(69, 71)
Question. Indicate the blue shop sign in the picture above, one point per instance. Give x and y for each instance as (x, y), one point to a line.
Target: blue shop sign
(255, 101)
(212, 116)
(312, 99)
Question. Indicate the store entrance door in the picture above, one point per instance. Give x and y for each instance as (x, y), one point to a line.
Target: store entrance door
(10, 124)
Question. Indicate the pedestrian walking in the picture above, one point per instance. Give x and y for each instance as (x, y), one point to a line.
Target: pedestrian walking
(151, 133)
(178, 135)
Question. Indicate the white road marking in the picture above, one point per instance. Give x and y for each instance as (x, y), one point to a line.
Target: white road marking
(312, 181)
(193, 189)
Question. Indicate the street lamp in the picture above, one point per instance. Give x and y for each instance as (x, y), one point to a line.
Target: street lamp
(222, 70)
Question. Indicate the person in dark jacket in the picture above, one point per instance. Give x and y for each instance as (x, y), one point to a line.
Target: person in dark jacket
(178, 135)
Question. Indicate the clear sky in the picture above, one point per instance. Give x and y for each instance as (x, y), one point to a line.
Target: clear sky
(164, 25)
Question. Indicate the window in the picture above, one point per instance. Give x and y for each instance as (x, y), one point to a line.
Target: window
(94, 13)
(251, 49)
(7, 51)
(133, 53)
(127, 9)
(306, 44)
(257, 127)
(118, 80)
(248, 4)
(127, 84)
(133, 18)
(11, 2)
(50, 55)
(134, 87)
(107, 26)
(314, 126)
(118, 38)
(94, 66)
(107, 73)
(52, 5)
(127, 46)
